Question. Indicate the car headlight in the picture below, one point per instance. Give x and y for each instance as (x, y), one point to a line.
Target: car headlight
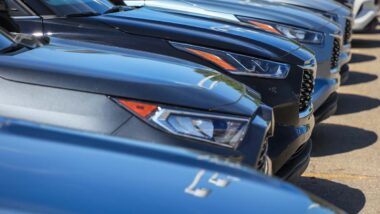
(298, 34)
(222, 130)
(301, 35)
(236, 63)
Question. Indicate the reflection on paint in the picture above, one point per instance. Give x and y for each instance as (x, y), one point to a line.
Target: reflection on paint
(205, 80)
(219, 182)
(216, 180)
(192, 188)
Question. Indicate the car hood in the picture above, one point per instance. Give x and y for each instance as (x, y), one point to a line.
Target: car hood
(322, 5)
(126, 73)
(224, 9)
(201, 31)
(111, 175)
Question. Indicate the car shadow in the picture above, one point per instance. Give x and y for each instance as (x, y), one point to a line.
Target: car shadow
(347, 198)
(358, 58)
(365, 43)
(359, 78)
(362, 103)
(331, 139)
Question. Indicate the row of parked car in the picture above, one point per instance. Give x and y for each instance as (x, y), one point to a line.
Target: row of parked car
(125, 106)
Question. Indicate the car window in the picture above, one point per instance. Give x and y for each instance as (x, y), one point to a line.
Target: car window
(68, 7)
(15, 9)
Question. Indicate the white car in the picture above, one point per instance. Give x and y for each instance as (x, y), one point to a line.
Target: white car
(365, 15)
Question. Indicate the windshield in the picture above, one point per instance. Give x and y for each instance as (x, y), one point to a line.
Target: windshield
(5, 42)
(74, 7)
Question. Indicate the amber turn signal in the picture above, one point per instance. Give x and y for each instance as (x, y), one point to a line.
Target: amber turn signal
(265, 27)
(141, 109)
(213, 58)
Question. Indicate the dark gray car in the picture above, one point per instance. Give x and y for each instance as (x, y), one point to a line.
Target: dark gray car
(314, 31)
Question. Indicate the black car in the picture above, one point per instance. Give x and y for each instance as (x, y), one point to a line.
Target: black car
(132, 94)
(279, 69)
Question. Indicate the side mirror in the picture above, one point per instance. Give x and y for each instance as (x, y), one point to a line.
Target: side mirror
(31, 41)
(45, 40)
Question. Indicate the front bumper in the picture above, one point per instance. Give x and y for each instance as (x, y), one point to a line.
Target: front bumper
(322, 91)
(287, 140)
(328, 108)
(344, 73)
(365, 15)
(345, 58)
(299, 162)
(345, 55)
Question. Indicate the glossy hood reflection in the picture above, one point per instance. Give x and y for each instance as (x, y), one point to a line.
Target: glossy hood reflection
(328, 6)
(124, 73)
(225, 9)
(124, 176)
(180, 27)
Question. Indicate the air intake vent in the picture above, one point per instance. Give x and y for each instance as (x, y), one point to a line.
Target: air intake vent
(307, 88)
(335, 54)
(347, 32)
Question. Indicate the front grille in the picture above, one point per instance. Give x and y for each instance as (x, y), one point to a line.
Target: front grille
(262, 162)
(307, 88)
(347, 32)
(335, 54)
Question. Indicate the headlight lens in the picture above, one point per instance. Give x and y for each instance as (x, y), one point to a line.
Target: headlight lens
(298, 34)
(301, 35)
(217, 129)
(238, 64)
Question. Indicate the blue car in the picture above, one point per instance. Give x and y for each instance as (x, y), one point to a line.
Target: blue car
(335, 11)
(54, 170)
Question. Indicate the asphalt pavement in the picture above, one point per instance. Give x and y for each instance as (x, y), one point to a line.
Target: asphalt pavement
(345, 165)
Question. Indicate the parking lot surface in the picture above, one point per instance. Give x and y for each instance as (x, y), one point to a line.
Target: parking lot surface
(345, 165)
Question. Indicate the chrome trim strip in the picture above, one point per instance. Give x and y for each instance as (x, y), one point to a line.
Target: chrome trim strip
(334, 70)
(25, 17)
(307, 112)
(310, 64)
(268, 170)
